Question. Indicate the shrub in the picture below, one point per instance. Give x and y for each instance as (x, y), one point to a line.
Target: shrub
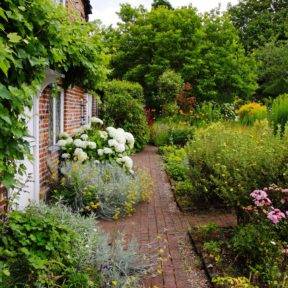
(251, 112)
(166, 132)
(105, 190)
(133, 89)
(90, 142)
(279, 114)
(121, 110)
(37, 250)
(169, 85)
(186, 100)
(228, 160)
(90, 261)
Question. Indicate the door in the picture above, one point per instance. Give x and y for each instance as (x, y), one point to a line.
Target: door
(29, 187)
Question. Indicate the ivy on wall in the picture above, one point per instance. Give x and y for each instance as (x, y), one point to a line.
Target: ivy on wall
(36, 35)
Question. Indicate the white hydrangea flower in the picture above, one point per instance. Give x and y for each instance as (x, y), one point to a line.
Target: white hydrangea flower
(86, 127)
(103, 135)
(130, 139)
(78, 151)
(100, 152)
(107, 150)
(92, 145)
(112, 143)
(128, 162)
(79, 143)
(96, 120)
(63, 135)
(62, 143)
(111, 131)
(65, 155)
(82, 157)
(84, 137)
(69, 140)
(120, 136)
(120, 148)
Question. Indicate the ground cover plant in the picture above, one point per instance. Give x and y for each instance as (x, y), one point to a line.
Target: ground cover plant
(49, 246)
(104, 189)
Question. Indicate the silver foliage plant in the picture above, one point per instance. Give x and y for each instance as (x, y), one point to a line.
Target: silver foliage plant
(119, 263)
(108, 184)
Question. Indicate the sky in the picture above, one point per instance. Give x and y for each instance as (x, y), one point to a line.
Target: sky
(105, 10)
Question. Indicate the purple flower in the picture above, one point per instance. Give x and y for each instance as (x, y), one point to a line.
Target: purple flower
(275, 215)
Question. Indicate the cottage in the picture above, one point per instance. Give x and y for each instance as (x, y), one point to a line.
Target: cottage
(51, 115)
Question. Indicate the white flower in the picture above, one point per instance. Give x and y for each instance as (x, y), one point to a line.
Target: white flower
(103, 135)
(84, 137)
(128, 162)
(63, 135)
(92, 145)
(78, 151)
(107, 150)
(112, 143)
(62, 143)
(96, 120)
(69, 140)
(130, 139)
(96, 162)
(120, 148)
(86, 127)
(79, 143)
(100, 152)
(111, 131)
(119, 160)
(65, 155)
(120, 136)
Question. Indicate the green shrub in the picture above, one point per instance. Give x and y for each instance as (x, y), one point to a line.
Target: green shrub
(121, 110)
(279, 114)
(168, 132)
(251, 112)
(228, 161)
(105, 190)
(133, 89)
(169, 85)
(49, 246)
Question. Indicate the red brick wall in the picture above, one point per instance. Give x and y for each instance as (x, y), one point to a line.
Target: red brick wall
(74, 109)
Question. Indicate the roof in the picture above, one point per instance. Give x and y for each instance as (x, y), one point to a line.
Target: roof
(88, 7)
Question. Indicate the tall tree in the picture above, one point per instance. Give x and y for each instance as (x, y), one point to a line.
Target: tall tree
(206, 52)
(158, 3)
(260, 21)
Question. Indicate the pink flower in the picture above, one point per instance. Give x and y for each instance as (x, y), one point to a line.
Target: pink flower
(275, 215)
(260, 198)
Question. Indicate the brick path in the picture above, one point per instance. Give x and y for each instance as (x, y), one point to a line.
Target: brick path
(161, 230)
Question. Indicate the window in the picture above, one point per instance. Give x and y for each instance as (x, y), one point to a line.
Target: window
(56, 117)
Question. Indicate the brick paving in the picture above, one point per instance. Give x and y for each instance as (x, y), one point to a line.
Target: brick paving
(161, 231)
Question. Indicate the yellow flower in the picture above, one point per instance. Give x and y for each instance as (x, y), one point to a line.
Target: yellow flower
(114, 283)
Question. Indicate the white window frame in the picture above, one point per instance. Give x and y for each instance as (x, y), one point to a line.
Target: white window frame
(62, 95)
(89, 107)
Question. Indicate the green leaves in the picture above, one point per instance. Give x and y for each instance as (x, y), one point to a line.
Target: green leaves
(14, 37)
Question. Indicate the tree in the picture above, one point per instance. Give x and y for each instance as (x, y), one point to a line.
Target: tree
(158, 3)
(259, 22)
(273, 77)
(206, 52)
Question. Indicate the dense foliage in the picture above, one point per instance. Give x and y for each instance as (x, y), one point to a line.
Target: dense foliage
(53, 247)
(206, 51)
(123, 109)
(227, 161)
(34, 36)
(106, 190)
(259, 22)
(251, 112)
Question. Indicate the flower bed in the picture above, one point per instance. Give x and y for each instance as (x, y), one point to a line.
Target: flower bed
(253, 254)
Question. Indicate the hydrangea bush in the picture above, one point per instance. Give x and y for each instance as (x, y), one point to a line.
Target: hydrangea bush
(94, 142)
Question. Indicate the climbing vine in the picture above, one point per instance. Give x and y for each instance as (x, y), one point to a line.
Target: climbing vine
(36, 35)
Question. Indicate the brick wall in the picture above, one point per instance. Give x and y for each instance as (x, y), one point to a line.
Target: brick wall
(74, 109)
